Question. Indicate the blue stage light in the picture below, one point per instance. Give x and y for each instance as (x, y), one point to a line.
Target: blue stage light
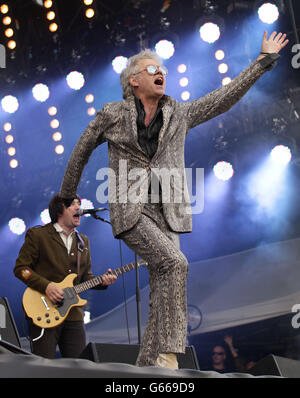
(41, 92)
(210, 32)
(223, 170)
(75, 80)
(268, 13)
(17, 226)
(10, 104)
(119, 63)
(165, 49)
(281, 154)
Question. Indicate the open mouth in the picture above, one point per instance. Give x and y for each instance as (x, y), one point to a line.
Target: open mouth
(159, 81)
(76, 216)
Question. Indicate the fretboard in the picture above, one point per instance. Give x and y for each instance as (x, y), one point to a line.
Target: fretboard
(91, 283)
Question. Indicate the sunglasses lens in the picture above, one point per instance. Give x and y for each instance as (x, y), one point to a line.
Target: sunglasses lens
(164, 70)
(151, 69)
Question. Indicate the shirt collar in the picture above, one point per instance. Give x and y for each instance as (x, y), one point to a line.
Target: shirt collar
(60, 229)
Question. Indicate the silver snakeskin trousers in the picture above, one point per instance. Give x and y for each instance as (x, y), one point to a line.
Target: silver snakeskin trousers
(152, 240)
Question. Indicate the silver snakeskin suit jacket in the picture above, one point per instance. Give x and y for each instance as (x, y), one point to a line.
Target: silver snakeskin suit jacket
(116, 124)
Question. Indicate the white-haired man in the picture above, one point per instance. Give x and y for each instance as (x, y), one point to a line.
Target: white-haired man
(146, 132)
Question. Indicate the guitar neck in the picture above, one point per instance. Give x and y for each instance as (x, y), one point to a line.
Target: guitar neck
(91, 283)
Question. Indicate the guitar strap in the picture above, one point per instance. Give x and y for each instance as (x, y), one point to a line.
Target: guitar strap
(80, 248)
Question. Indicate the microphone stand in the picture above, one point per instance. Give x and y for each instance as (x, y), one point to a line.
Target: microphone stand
(138, 295)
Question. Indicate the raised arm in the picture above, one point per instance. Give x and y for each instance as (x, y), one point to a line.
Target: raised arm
(221, 100)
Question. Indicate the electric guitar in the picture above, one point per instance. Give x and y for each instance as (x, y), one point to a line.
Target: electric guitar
(45, 314)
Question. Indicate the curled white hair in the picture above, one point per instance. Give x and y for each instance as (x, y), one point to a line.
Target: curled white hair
(132, 67)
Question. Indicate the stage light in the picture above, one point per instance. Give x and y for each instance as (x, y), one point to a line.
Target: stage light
(90, 13)
(7, 126)
(11, 44)
(41, 92)
(219, 55)
(89, 98)
(281, 154)
(75, 80)
(54, 123)
(223, 68)
(10, 104)
(45, 216)
(50, 15)
(52, 111)
(48, 4)
(210, 32)
(185, 96)
(13, 163)
(9, 32)
(53, 27)
(182, 68)
(119, 63)
(9, 139)
(57, 136)
(17, 226)
(268, 13)
(165, 49)
(6, 20)
(184, 82)
(11, 151)
(86, 204)
(91, 111)
(226, 81)
(88, 2)
(59, 149)
(223, 170)
(4, 8)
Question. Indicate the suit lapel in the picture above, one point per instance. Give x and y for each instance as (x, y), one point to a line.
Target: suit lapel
(55, 236)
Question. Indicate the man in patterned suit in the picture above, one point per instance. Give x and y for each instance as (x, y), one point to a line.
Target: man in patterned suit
(146, 131)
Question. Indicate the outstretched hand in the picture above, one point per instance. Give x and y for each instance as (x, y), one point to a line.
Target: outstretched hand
(274, 44)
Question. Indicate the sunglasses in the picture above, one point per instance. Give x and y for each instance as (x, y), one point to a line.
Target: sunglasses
(152, 69)
(218, 353)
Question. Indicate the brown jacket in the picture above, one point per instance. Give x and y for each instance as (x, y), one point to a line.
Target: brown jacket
(44, 258)
(116, 124)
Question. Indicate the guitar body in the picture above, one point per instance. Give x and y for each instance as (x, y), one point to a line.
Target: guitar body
(43, 312)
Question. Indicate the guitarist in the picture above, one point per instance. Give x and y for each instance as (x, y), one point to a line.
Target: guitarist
(48, 255)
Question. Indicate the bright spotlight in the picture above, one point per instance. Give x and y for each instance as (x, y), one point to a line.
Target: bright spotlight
(165, 49)
(119, 63)
(223, 68)
(185, 95)
(223, 170)
(219, 55)
(13, 163)
(226, 81)
(184, 82)
(41, 92)
(281, 154)
(268, 13)
(45, 216)
(59, 149)
(17, 226)
(10, 104)
(210, 32)
(182, 68)
(86, 204)
(75, 80)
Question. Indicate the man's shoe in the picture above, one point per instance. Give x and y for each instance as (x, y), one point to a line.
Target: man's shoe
(167, 361)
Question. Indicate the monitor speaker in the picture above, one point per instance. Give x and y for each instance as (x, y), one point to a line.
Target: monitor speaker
(8, 328)
(273, 365)
(127, 353)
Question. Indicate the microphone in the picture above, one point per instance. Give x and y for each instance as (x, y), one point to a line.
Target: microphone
(82, 212)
